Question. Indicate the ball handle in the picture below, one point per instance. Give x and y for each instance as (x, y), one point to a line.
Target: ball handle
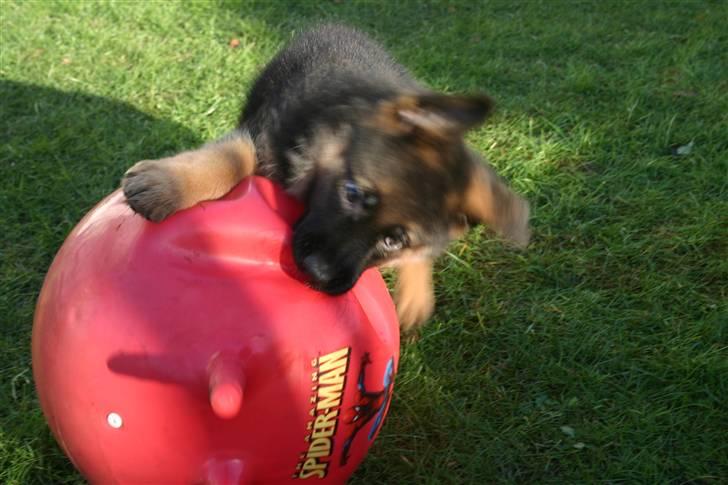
(226, 382)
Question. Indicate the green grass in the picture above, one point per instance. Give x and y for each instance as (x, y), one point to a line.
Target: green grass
(600, 354)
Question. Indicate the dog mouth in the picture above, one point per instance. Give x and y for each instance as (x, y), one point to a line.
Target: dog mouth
(322, 272)
(331, 288)
(330, 261)
(325, 276)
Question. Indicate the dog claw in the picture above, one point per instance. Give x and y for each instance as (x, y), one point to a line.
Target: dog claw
(150, 190)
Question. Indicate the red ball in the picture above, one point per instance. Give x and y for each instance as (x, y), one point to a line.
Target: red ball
(191, 351)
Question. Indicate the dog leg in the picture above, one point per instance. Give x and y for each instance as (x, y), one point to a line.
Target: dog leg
(414, 295)
(489, 200)
(156, 189)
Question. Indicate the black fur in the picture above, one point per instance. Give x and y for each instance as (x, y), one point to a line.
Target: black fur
(326, 87)
(320, 78)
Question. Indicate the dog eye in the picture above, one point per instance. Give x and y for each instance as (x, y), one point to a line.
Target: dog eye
(353, 193)
(392, 244)
(395, 240)
(371, 200)
(358, 197)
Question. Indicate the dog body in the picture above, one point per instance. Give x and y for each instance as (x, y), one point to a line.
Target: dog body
(378, 159)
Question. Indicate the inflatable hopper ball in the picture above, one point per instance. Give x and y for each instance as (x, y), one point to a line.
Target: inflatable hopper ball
(191, 352)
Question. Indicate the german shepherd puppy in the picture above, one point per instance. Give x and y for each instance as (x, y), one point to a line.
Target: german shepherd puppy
(378, 158)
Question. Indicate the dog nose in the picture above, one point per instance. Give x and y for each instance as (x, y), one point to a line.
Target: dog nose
(317, 268)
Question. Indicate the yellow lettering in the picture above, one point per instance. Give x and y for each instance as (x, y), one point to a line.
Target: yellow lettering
(326, 420)
(328, 397)
(327, 389)
(333, 378)
(312, 465)
(333, 360)
(319, 447)
(325, 425)
(312, 473)
(325, 432)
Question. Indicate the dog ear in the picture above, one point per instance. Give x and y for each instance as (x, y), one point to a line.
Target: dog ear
(487, 199)
(437, 115)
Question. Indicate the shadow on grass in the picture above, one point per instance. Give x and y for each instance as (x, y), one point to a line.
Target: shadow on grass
(60, 153)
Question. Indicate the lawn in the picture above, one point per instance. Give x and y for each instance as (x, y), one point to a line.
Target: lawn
(598, 355)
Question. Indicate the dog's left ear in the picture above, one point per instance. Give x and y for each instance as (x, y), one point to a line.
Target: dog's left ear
(436, 115)
(487, 199)
(440, 114)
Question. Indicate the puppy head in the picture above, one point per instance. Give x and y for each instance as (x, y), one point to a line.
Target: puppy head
(400, 184)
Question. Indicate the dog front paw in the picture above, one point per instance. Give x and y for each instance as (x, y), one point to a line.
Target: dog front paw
(414, 308)
(151, 190)
(517, 228)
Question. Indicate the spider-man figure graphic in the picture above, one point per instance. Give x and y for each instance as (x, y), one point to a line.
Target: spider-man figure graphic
(370, 405)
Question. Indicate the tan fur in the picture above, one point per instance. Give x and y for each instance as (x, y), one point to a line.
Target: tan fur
(387, 116)
(158, 188)
(429, 117)
(430, 156)
(489, 200)
(414, 294)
